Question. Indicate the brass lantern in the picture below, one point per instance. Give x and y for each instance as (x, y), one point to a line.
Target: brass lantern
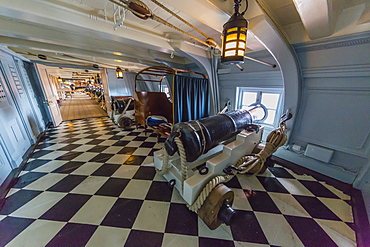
(119, 73)
(234, 37)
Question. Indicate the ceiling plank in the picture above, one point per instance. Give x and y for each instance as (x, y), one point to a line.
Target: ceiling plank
(319, 16)
(70, 21)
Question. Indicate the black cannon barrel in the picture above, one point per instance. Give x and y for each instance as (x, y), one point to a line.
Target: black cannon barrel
(200, 136)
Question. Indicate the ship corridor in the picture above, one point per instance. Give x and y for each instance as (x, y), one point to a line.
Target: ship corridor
(79, 106)
(77, 76)
(90, 183)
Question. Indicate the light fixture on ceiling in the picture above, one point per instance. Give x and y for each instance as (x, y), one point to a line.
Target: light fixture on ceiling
(119, 73)
(60, 80)
(234, 36)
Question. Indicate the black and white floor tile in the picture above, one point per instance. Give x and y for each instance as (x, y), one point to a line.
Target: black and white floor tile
(89, 183)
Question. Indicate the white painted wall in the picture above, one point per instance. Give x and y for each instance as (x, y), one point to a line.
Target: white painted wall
(334, 109)
(20, 118)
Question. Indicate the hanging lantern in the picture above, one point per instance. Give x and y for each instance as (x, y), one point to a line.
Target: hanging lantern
(119, 73)
(234, 37)
(60, 80)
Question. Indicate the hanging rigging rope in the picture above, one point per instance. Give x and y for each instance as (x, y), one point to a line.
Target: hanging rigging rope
(142, 11)
(136, 5)
(180, 18)
(160, 20)
(140, 6)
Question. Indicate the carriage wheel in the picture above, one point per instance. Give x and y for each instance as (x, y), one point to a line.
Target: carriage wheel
(216, 209)
(125, 122)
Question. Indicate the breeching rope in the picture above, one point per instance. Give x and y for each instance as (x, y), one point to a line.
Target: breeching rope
(275, 139)
(184, 167)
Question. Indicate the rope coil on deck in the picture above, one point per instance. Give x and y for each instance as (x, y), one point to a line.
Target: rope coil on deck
(275, 139)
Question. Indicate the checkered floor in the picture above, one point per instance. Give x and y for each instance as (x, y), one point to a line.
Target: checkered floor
(90, 183)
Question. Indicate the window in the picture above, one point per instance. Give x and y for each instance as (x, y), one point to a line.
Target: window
(270, 99)
(164, 88)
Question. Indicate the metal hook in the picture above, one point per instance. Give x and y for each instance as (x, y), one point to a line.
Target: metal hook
(286, 116)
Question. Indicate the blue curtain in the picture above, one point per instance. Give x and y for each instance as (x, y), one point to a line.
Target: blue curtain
(191, 98)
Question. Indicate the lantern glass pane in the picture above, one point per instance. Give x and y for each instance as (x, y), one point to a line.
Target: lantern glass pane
(231, 45)
(241, 45)
(243, 29)
(234, 29)
(230, 53)
(243, 37)
(231, 36)
(241, 53)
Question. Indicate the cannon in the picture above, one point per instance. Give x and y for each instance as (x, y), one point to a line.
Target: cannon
(198, 137)
(123, 111)
(200, 155)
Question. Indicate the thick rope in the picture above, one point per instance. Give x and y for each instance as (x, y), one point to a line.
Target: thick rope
(184, 167)
(178, 17)
(160, 20)
(275, 139)
(207, 190)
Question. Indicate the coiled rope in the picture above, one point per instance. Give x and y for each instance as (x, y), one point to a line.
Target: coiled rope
(274, 140)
